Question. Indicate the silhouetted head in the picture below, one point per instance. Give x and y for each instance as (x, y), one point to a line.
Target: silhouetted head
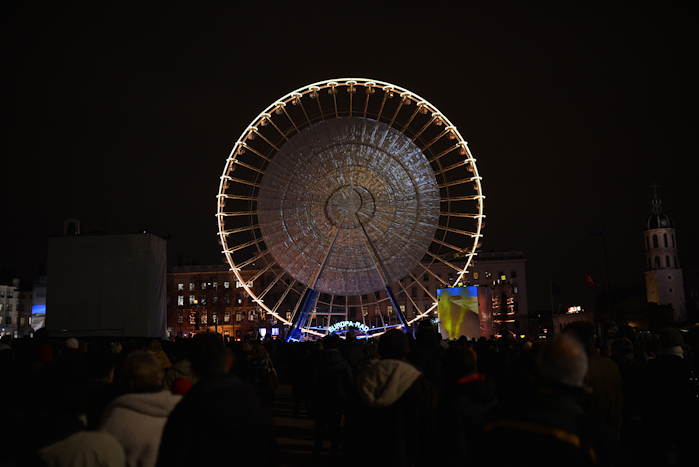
(209, 355)
(143, 372)
(394, 344)
(584, 333)
(563, 360)
(331, 341)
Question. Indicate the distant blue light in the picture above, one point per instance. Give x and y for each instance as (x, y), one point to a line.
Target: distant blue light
(38, 309)
(458, 291)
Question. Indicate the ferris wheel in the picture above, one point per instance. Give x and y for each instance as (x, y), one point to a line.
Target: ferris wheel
(339, 197)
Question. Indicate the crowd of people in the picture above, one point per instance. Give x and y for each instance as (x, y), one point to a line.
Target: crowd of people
(401, 400)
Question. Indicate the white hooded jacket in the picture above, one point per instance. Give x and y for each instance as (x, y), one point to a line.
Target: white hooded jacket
(137, 421)
(384, 382)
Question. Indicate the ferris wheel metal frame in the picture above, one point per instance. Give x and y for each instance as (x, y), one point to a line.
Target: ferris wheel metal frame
(439, 140)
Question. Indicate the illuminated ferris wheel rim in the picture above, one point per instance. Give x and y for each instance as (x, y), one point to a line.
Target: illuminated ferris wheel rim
(293, 97)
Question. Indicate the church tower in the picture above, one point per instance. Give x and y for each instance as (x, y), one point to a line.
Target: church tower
(663, 276)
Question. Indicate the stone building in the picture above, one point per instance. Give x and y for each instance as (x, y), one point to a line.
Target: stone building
(663, 274)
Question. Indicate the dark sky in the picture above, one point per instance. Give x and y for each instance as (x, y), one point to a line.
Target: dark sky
(123, 118)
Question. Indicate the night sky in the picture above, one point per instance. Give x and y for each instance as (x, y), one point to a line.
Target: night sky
(123, 118)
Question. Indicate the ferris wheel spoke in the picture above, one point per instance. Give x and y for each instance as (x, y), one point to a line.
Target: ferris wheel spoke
(257, 257)
(444, 152)
(452, 167)
(290, 119)
(265, 139)
(437, 138)
(424, 127)
(368, 92)
(240, 229)
(409, 297)
(458, 182)
(299, 102)
(256, 152)
(248, 166)
(237, 213)
(383, 103)
(462, 198)
(241, 180)
(316, 96)
(272, 283)
(410, 120)
(433, 274)
(283, 135)
(403, 100)
(243, 245)
(450, 246)
(238, 197)
(462, 214)
(459, 231)
(283, 296)
(444, 261)
(422, 286)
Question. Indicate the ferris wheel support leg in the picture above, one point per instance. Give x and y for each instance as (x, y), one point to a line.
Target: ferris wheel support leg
(396, 309)
(295, 333)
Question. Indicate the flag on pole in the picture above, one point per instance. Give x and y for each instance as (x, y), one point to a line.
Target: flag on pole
(589, 280)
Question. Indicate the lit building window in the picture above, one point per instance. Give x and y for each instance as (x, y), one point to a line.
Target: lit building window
(180, 286)
(191, 286)
(192, 299)
(192, 319)
(203, 286)
(180, 300)
(215, 284)
(238, 317)
(240, 299)
(203, 318)
(226, 285)
(288, 316)
(226, 299)
(226, 317)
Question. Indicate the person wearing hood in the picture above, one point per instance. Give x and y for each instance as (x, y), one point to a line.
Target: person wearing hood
(137, 418)
(670, 403)
(397, 406)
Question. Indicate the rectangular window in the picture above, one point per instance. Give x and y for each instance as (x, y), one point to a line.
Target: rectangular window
(240, 299)
(226, 285)
(238, 317)
(226, 317)
(191, 286)
(180, 300)
(226, 299)
(180, 318)
(203, 286)
(288, 316)
(192, 300)
(180, 286)
(192, 319)
(203, 318)
(239, 284)
(215, 284)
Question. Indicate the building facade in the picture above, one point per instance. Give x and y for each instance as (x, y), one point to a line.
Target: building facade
(210, 298)
(663, 275)
(9, 302)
